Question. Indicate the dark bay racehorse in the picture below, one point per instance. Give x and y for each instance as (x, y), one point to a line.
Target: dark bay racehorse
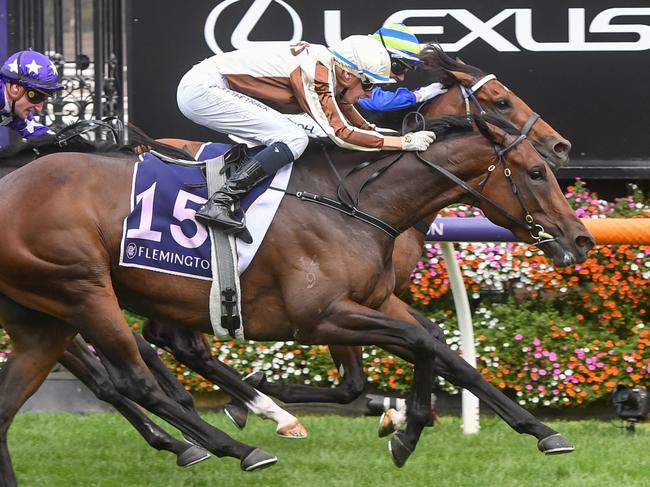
(61, 250)
(471, 90)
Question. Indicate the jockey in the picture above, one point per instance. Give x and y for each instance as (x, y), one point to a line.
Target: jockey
(246, 92)
(403, 48)
(27, 79)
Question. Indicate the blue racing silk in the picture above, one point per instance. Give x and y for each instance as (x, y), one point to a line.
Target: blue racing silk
(386, 101)
(27, 128)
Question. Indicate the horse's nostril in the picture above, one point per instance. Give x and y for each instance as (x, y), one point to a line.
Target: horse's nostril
(562, 148)
(585, 242)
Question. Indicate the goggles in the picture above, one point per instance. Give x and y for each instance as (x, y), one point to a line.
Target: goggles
(399, 66)
(367, 85)
(36, 96)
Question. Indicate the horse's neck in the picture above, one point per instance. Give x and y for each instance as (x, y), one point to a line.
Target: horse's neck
(448, 103)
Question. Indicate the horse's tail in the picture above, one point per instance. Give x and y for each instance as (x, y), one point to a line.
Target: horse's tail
(140, 142)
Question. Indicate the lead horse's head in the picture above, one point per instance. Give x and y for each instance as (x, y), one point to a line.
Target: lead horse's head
(519, 180)
(515, 188)
(473, 91)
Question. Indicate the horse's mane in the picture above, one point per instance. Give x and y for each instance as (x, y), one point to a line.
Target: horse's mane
(440, 65)
(496, 120)
(455, 125)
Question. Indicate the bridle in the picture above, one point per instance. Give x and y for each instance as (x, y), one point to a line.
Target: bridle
(536, 230)
(469, 94)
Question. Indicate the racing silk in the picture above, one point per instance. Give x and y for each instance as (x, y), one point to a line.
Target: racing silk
(300, 78)
(27, 128)
(386, 101)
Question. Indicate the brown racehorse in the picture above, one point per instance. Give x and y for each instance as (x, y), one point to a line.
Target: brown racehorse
(59, 273)
(470, 90)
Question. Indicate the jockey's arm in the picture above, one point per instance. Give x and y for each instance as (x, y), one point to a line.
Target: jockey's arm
(350, 133)
(386, 101)
(29, 127)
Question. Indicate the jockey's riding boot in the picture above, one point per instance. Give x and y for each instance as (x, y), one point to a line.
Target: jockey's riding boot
(218, 209)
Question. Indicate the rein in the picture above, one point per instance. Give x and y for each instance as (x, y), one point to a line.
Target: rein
(470, 94)
(112, 125)
(347, 204)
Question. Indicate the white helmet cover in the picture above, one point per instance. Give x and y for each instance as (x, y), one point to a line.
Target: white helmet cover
(365, 57)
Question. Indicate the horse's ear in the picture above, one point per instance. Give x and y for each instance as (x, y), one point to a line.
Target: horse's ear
(460, 61)
(492, 132)
(463, 78)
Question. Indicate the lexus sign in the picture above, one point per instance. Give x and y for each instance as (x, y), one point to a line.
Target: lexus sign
(583, 65)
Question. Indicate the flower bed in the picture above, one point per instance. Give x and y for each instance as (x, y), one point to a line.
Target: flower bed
(562, 337)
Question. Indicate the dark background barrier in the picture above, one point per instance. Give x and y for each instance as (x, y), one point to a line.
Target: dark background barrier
(582, 65)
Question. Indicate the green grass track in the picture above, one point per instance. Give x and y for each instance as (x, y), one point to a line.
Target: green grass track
(66, 450)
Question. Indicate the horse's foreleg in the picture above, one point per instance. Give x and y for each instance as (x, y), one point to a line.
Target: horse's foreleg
(191, 349)
(453, 368)
(89, 370)
(38, 342)
(99, 318)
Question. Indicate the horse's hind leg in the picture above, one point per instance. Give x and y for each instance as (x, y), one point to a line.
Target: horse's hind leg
(191, 349)
(38, 342)
(347, 361)
(99, 318)
(86, 367)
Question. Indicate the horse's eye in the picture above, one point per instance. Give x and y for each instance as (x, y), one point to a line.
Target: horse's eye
(536, 174)
(502, 105)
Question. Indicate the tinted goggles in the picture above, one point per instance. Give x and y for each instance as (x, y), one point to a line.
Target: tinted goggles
(367, 85)
(398, 66)
(36, 96)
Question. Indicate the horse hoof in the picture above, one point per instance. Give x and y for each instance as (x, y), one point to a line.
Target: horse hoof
(257, 459)
(295, 431)
(398, 450)
(236, 414)
(555, 445)
(193, 455)
(386, 425)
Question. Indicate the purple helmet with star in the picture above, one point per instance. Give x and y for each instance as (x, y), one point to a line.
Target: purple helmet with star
(32, 70)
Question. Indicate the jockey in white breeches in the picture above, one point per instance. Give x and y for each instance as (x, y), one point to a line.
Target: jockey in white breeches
(248, 92)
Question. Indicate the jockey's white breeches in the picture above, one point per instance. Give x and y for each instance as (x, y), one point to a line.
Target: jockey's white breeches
(308, 124)
(204, 97)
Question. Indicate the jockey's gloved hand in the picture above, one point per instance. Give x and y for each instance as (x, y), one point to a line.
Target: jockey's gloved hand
(418, 141)
(429, 91)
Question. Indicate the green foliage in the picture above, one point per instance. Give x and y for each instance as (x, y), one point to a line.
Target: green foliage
(102, 450)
